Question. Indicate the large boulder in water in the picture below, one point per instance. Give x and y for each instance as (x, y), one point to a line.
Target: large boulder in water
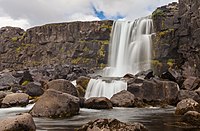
(98, 103)
(123, 99)
(62, 85)
(22, 122)
(187, 105)
(55, 104)
(154, 91)
(15, 99)
(111, 125)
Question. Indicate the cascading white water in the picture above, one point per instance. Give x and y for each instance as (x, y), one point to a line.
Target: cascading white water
(129, 52)
(130, 47)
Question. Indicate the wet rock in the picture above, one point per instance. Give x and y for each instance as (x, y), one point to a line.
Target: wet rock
(15, 99)
(62, 85)
(111, 125)
(2, 95)
(98, 103)
(123, 99)
(191, 117)
(55, 104)
(33, 89)
(128, 76)
(184, 94)
(145, 74)
(22, 122)
(187, 105)
(168, 75)
(191, 83)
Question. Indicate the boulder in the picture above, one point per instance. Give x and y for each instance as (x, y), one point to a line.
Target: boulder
(55, 104)
(62, 85)
(191, 83)
(123, 99)
(187, 105)
(98, 103)
(154, 90)
(111, 125)
(22, 122)
(33, 89)
(81, 91)
(6, 80)
(184, 94)
(27, 77)
(15, 99)
(191, 117)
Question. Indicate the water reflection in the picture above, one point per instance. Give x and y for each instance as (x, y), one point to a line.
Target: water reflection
(155, 119)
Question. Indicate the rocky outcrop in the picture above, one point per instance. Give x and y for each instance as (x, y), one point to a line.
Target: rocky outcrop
(98, 103)
(76, 43)
(22, 122)
(111, 125)
(15, 99)
(176, 44)
(55, 104)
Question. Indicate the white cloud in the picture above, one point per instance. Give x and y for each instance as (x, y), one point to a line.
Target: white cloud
(7, 21)
(26, 13)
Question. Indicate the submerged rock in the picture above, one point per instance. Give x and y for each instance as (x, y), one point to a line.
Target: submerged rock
(22, 122)
(98, 103)
(123, 99)
(187, 105)
(15, 99)
(111, 125)
(55, 104)
(62, 85)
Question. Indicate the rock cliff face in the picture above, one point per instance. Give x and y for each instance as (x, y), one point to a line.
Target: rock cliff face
(177, 41)
(76, 43)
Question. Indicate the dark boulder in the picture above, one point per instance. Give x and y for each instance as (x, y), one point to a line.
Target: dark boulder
(123, 99)
(62, 85)
(22, 122)
(83, 81)
(6, 80)
(55, 104)
(98, 103)
(184, 94)
(192, 118)
(154, 90)
(33, 89)
(15, 99)
(111, 125)
(187, 105)
(27, 77)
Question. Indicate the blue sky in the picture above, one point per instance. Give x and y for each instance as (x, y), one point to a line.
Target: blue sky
(25, 14)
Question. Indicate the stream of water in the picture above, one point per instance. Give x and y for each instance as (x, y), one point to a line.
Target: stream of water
(155, 119)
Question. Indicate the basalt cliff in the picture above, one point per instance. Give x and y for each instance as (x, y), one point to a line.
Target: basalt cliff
(176, 43)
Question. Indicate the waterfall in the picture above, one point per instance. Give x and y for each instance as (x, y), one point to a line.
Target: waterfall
(129, 52)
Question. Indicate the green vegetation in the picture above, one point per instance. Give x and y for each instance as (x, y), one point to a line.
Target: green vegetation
(157, 13)
(156, 63)
(14, 39)
(163, 33)
(25, 83)
(170, 62)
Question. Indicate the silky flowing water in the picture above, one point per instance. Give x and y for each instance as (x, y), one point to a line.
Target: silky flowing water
(155, 119)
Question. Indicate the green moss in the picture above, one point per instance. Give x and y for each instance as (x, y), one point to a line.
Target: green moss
(101, 51)
(157, 13)
(106, 26)
(86, 49)
(76, 60)
(170, 62)
(25, 83)
(14, 39)
(18, 49)
(156, 63)
(163, 33)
